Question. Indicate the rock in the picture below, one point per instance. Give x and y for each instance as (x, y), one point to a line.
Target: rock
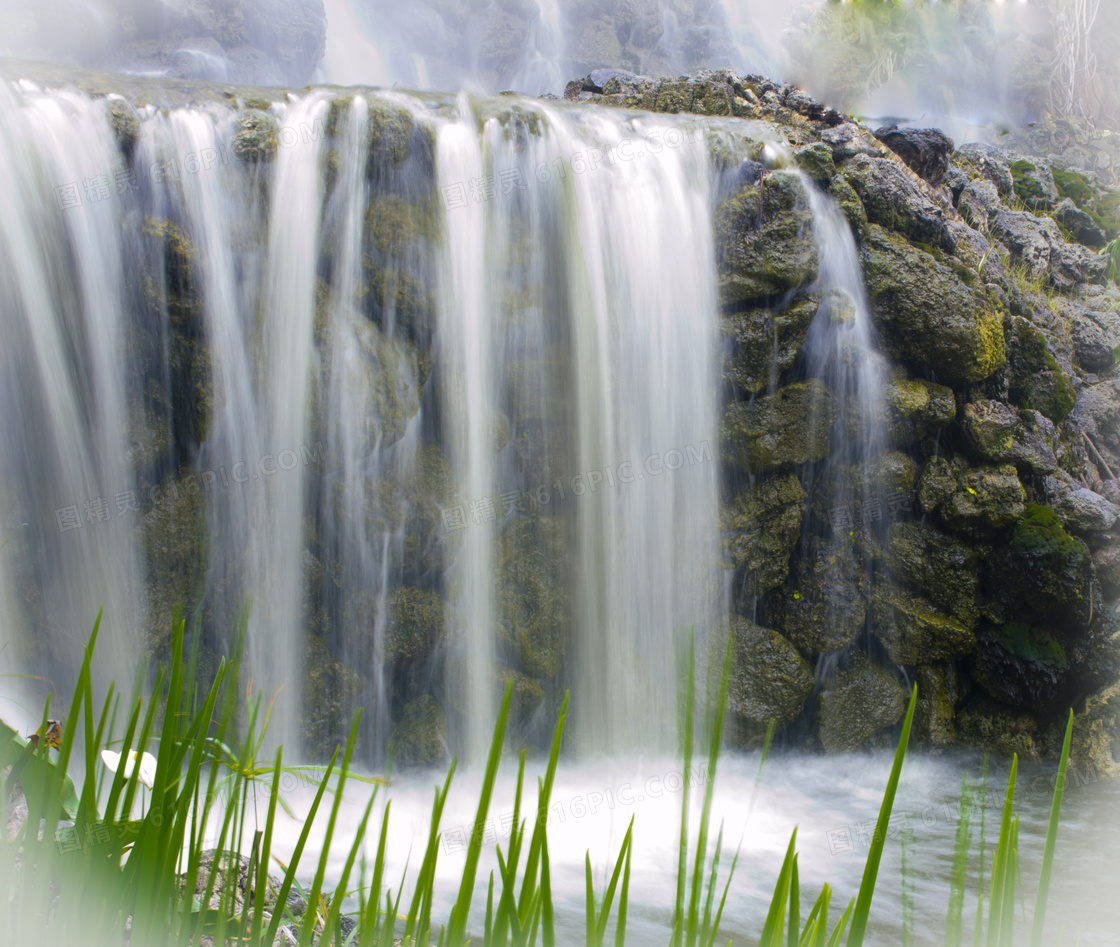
(990, 164)
(847, 141)
(769, 679)
(125, 123)
(925, 150)
(766, 343)
(1072, 266)
(1096, 336)
(1035, 379)
(1079, 225)
(999, 433)
(978, 502)
(419, 737)
(916, 409)
(1028, 238)
(258, 138)
(978, 203)
(914, 632)
(596, 44)
(894, 201)
(415, 626)
(935, 713)
(527, 697)
(1106, 563)
(330, 692)
(765, 238)
(856, 703)
(1022, 666)
(501, 37)
(785, 429)
(816, 161)
(944, 569)
(1098, 414)
(293, 32)
(929, 316)
(1034, 184)
(1043, 576)
(850, 204)
(987, 725)
(532, 593)
(1095, 742)
(1079, 508)
(760, 529)
(823, 606)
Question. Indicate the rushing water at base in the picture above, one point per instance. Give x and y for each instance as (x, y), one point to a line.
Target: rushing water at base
(833, 803)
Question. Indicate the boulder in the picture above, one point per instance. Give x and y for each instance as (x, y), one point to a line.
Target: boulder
(823, 606)
(944, 569)
(929, 316)
(1035, 378)
(1021, 665)
(935, 713)
(760, 528)
(1034, 183)
(765, 240)
(856, 703)
(989, 725)
(978, 502)
(1096, 335)
(765, 343)
(769, 679)
(978, 203)
(913, 631)
(916, 409)
(998, 433)
(1079, 225)
(895, 201)
(848, 140)
(1079, 508)
(419, 736)
(785, 429)
(925, 150)
(816, 161)
(330, 692)
(988, 163)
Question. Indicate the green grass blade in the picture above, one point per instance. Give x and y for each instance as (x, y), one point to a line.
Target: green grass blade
(775, 917)
(1043, 895)
(959, 872)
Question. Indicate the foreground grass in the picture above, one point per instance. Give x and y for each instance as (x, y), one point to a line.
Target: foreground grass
(129, 866)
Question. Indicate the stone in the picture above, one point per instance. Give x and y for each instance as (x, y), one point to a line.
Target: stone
(916, 409)
(785, 429)
(1096, 336)
(913, 631)
(978, 203)
(856, 704)
(1035, 378)
(415, 626)
(1033, 183)
(330, 693)
(925, 150)
(765, 242)
(850, 204)
(1079, 225)
(978, 502)
(929, 317)
(941, 567)
(1106, 564)
(760, 529)
(998, 433)
(1022, 666)
(765, 343)
(1095, 742)
(769, 679)
(893, 200)
(419, 737)
(847, 141)
(988, 725)
(935, 712)
(1079, 508)
(816, 161)
(990, 164)
(1028, 238)
(258, 136)
(823, 606)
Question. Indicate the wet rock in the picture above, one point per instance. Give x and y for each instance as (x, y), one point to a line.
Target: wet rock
(944, 569)
(760, 529)
(1037, 244)
(913, 631)
(1034, 184)
(527, 696)
(769, 680)
(1106, 564)
(1079, 225)
(847, 141)
(1079, 508)
(1095, 742)
(857, 703)
(816, 161)
(925, 150)
(1035, 378)
(415, 626)
(929, 316)
(850, 204)
(765, 240)
(823, 605)
(1072, 266)
(419, 737)
(258, 136)
(988, 725)
(1044, 575)
(978, 203)
(532, 593)
(765, 343)
(785, 429)
(978, 502)
(330, 690)
(894, 201)
(917, 409)
(935, 713)
(999, 433)
(1021, 665)
(125, 123)
(1096, 336)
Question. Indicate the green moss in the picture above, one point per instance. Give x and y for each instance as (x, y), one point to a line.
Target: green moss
(1032, 644)
(259, 102)
(782, 430)
(415, 625)
(258, 137)
(419, 737)
(390, 134)
(1040, 534)
(125, 124)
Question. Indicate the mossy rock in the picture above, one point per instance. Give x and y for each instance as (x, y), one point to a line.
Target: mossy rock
(532, 594)
(856, 704)
(419, 737)
(1023, 666)
(896, 202)
(930, 318)
(258, 136)
(760, 528)
(526, 699)
(785, 429)
(978, 502)
(415, 626)
(125, 125)
(917, 409)
(330, 691)
(935, 712)
(816, 161)
(764, 235)
(945, 570)
(988, 725)
(996, 432)
(914, 632)
(1034, 184)
(769, 680)
(1044, 575)
(765, 343)
(398, 243)
(1095, 744)
(850, 205)
(823, 606)
(1035, 379)
(391, 130)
